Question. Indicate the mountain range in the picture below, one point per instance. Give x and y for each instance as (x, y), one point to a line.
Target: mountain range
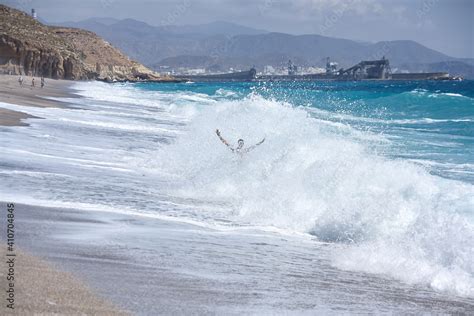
(220, 45)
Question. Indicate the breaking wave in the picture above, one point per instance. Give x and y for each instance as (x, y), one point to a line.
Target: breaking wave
(389, 216)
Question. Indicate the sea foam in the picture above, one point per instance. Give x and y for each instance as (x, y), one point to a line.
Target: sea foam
(391, 216)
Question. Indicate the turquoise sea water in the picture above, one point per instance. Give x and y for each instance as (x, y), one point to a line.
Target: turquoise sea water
(430, 122)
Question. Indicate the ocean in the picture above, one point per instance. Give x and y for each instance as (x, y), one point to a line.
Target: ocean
(374, 178)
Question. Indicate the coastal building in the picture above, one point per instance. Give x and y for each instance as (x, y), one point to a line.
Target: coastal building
(33, 14)
(196, 71)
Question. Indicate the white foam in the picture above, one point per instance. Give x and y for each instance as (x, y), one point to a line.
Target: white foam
(307, 178)
(453, 95)
(424, 92)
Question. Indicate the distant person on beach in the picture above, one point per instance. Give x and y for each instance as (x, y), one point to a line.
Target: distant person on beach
(42, 82)
(240, 145)
(20, 80)
(32, 83)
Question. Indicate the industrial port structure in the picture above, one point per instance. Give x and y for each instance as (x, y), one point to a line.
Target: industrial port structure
(368, 69)
(364, 70)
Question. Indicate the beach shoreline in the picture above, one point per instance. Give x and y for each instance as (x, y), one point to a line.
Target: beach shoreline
(41, 288)
(143, 261)
(26, 95)
(150, 265)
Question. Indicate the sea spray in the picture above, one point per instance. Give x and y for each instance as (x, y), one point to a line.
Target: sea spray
(392, 216)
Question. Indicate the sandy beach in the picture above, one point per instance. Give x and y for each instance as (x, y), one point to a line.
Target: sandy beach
(12, 92)
(40, 287)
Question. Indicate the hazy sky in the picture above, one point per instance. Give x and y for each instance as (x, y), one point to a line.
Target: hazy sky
(444, 25)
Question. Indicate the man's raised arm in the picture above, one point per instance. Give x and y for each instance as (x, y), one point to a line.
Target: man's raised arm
(223, 140)
(257, 144)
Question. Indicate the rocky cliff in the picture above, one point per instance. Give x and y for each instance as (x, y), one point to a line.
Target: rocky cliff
(31, 48)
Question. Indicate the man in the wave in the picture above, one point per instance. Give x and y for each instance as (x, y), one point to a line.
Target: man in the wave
(240, 145)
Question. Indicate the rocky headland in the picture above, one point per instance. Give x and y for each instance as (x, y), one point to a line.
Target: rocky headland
(28, 47)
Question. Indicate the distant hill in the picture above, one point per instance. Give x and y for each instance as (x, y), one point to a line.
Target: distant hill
(214, 28)
(223, 45)
(104, 21)
(207, 29)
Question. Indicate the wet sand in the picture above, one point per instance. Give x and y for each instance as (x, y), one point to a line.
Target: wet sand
(40, 288)
(12, 92)
(13, 118)
(154, 267)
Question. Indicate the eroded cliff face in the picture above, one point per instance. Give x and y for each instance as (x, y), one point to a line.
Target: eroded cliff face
(30, 48)
(18, 57)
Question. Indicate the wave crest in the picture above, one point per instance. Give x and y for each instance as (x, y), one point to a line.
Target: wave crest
(309, 178)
